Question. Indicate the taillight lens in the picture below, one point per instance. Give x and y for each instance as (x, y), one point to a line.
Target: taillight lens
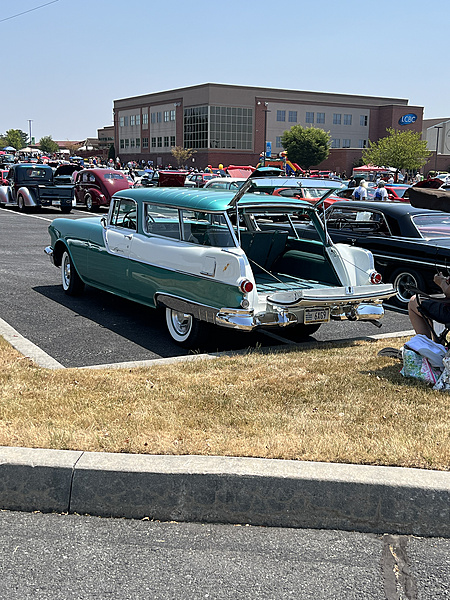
(246, 286)
(375, 277)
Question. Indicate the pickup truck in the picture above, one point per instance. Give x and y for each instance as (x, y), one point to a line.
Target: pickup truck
(32, 186)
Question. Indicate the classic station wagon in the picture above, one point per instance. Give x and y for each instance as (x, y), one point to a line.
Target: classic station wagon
(235, 261)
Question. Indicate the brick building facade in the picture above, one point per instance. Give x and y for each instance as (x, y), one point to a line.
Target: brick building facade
(230, 124)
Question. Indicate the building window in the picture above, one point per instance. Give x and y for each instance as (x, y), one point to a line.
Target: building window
(166, 141)
(153, 142)
(127, 143)
(138, 119)
(336, 119)
(121, 121)
(347, 119)
(230, 128)
(122, 144)
(320, 118)
(153, 117)
(145, 142)
(309, 117)
(363, 121)
(335, 143)
(172, 115)
(125, 121)
(132, 120)
(281, 115)
(159, 117)
(166, 116)
(195, 127)
(362, 143)
(278, 143)
(346, 143)
(159, 142)
(138, 142)
(292, 116)
(132, 143)
(172, 140)
(145, 118)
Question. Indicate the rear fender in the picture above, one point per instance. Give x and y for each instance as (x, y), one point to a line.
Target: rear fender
(28, 196)
(4, 196)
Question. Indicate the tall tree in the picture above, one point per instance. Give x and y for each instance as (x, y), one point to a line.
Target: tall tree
(399, 149)
(15, 138)
(306, 146)
(182, 155)
(46, 144)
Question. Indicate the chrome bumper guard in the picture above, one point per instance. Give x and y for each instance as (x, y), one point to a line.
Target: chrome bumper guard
(278, 316)
(49, 252)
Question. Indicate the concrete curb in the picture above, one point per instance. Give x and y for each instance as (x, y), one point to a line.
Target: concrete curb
(227, 490)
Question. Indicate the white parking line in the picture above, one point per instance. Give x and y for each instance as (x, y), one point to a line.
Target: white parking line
(11, 212)
(27, 348)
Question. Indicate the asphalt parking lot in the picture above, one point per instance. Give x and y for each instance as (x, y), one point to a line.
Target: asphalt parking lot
(99, 328)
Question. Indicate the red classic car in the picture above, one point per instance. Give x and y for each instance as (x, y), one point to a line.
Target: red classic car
(3, 176)
(95, 187)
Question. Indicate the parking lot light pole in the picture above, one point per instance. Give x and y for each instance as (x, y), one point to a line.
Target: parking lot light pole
(29, 128)
(438, 127)
(266, 104)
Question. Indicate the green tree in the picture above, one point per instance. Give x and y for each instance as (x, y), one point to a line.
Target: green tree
(46, 144)
(306, 146)
(112, 152)
(15, 138)
(182, 155)
(399, 149)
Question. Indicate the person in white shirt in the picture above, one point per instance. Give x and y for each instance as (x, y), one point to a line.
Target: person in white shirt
(360, 193)
(381, 193)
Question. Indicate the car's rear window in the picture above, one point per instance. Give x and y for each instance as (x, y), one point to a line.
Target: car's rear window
(36, 173)
(110, 175)
(433, 226)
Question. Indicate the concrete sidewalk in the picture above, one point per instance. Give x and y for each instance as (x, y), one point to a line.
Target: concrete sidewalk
(281, 493)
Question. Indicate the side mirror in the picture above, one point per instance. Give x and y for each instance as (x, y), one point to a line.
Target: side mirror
(103, 222)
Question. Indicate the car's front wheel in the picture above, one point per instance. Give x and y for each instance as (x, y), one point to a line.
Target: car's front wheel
(71, 281)
(184, 329)
(402, 279)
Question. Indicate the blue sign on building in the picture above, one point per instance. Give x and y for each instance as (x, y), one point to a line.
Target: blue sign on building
(268, 149)
(407, 119)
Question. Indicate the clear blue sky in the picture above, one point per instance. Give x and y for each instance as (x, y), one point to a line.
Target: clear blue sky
(65, 63)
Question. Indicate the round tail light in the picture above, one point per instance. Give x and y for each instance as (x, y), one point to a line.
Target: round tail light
(375, 277)
(246, 286)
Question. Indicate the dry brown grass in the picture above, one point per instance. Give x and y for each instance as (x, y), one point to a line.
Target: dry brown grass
(332, 403)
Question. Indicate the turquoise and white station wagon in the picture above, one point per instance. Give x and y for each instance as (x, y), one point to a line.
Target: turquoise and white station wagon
(232, 260)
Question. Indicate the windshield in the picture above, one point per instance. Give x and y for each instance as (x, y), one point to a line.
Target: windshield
(433, 226)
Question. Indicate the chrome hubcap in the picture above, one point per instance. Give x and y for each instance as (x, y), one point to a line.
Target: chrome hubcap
(181, 322)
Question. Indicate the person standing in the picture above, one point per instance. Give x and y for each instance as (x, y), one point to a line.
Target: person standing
(381, 193)
(360, 193)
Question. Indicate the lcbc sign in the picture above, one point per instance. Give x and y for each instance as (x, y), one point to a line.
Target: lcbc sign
(407, 119)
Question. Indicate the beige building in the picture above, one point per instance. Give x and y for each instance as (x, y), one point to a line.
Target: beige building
(233, 124)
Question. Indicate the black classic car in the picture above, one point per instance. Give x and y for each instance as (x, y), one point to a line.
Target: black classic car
(31, 186)
(409, 244)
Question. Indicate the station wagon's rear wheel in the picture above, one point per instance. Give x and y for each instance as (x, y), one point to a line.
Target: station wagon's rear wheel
(183, 328)
(71, 282)
(89, 202)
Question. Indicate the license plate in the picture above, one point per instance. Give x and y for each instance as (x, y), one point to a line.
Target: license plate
(317, 315)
